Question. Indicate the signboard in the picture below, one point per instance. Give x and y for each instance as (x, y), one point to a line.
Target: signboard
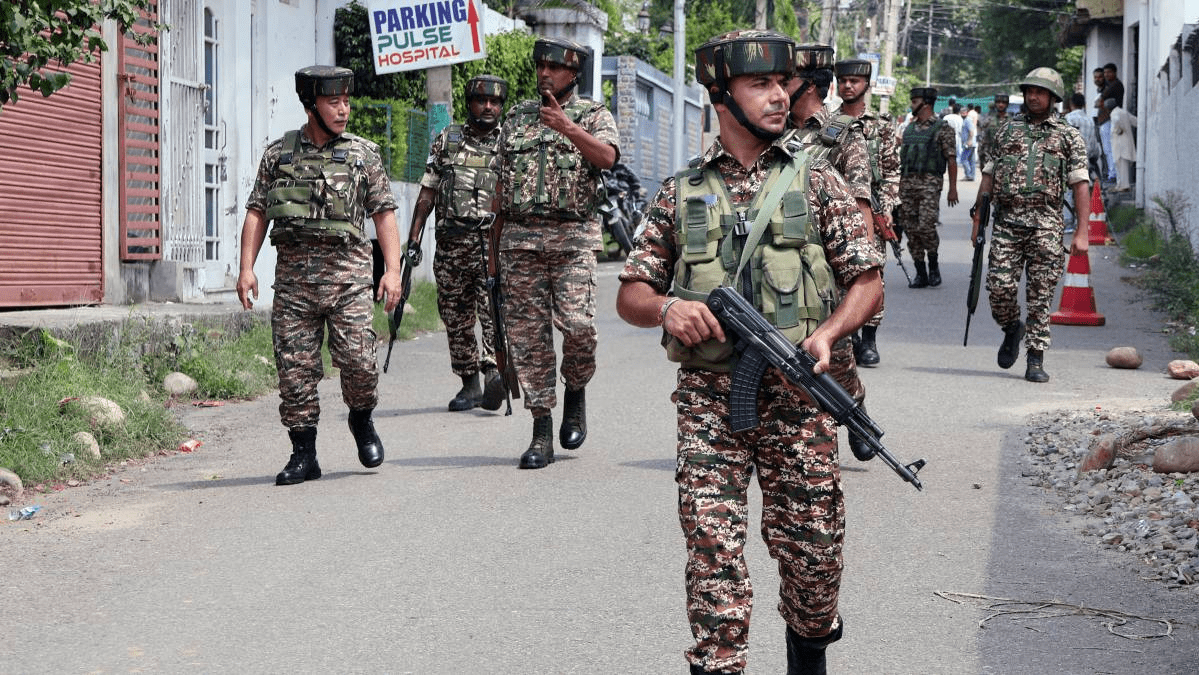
(419, 34)
(884, 86)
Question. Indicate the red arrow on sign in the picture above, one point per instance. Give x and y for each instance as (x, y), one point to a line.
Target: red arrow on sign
(472, 18)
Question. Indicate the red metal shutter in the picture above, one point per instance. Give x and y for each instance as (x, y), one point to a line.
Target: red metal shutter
(141, 227)
(51, 244)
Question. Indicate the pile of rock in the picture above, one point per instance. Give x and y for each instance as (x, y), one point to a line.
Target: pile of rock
(1127, 506)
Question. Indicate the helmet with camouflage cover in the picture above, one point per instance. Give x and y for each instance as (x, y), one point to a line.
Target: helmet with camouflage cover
(928, 94)
(316, 81)
(1046, 78)
(487, 85)
(860, 67)
(1001, 98)
(813, 58)
(561, 51)
(741, 52)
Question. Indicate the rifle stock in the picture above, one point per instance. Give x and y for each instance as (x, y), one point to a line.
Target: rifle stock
(761, 344)
(976, 265)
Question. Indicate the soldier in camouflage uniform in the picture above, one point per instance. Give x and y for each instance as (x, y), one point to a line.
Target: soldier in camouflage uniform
(460, 178)
(929, 149)
(988, 124)
(317, 185)
(696, 227)
(1035, 158)
(882, 143)
(551, 155)
(841, 141)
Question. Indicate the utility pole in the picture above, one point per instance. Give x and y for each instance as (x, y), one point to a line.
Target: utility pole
(760, 12)
(678, 112)
(928, 54)
(888, 64)
(828, 20)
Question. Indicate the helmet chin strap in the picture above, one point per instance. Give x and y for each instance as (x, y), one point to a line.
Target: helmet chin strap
(757, 131)
(320, 121)
(566, 90)
(476, 122)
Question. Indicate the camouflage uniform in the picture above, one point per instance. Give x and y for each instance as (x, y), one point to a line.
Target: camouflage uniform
(548, 243)
(882, 143)
(794, 450)
(458, 266)
(848, 155)
(323, 278)
(987, 124)
(920, 193)
(1028, 223)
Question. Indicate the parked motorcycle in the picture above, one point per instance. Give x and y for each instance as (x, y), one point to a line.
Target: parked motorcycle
(622, 209)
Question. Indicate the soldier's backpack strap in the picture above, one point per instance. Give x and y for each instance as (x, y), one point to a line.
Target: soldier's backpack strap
(832, 133)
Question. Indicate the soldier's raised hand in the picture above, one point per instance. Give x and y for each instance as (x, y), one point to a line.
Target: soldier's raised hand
(551, 113)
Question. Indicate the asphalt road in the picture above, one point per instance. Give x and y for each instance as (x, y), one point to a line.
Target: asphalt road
(449, 560)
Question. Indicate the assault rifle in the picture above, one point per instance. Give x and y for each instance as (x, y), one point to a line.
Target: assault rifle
(412, 258)
(899, 258)
(489, 234)
(761, 344)
(976, 267)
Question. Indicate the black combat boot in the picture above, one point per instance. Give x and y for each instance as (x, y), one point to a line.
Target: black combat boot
(468, 396)
(865, 350)
(302, 466)
(541, 450)
(574, 419)
(934, 272)
(921, 280)
(1010, 349)
(806, 656)
(494, 391)
(1035, 371)
(370, 448)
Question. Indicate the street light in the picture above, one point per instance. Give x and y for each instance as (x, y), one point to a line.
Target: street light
(643, 18)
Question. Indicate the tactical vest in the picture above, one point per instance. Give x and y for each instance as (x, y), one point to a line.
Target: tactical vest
(313, 193)
(467, 182)
(1016, 174)
(792, 283)
(551, 178)
(919, 153)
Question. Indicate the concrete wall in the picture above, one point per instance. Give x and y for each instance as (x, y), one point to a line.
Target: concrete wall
(645, 140)
(1168, 143)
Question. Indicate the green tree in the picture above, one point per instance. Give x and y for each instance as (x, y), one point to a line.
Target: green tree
(510, 56)
(36, 34)
(352, 43)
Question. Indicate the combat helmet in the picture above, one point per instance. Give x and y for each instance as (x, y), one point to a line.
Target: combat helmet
(741, 52)
(854, 67)
(1001, 98)
(487, 85)
(316, 81)
(562, 51)
(1046, 78)
(929, 94)
(813, 58)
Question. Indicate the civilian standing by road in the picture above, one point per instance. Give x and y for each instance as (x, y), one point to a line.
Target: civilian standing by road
(666, 279)
(460, 179)
(1112, 88)
(928, 151)
(317, 185)
(1124, 144)
(1038, 157)
(551, 155)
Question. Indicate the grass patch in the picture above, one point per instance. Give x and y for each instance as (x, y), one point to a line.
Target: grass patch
(230, 358)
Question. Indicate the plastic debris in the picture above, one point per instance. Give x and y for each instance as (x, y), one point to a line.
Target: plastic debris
(24, 514)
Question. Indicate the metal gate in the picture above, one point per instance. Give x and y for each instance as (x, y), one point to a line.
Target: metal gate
(51, 227)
